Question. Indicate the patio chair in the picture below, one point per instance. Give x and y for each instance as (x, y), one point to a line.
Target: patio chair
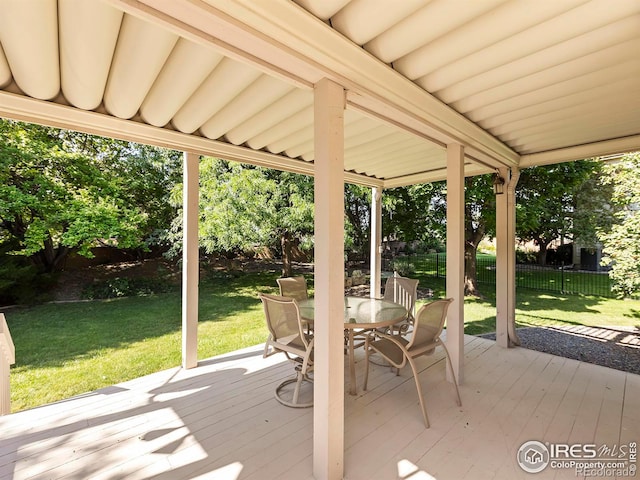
(403, 291)
(293, 287)
(425, 337)
(296, 288)
(286, 335)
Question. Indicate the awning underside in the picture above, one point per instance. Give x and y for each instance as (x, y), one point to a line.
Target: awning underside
(537, 77)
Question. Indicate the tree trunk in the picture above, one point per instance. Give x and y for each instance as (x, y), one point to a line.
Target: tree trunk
(542, 251)
(50, 257)
(474, 233)
(285, 242)
(470, 269)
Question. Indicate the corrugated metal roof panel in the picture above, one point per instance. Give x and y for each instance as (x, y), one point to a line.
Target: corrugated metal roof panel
(537, 76)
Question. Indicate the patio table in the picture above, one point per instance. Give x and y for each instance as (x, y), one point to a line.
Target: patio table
(360, 313)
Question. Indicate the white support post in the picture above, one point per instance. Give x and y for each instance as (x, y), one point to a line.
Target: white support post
(190, 260)
(502, 266)
(455, 259)
(511, 210)
(506, 335)
(7, 358)
(328, 406)
(376, 243)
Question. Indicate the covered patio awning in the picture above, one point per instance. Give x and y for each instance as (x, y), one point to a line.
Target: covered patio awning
(518, 83)
(373, 92)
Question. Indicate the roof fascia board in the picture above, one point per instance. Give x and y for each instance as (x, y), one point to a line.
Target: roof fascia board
(590, 150)
(289, 38)
(19, 107)
(470, 170)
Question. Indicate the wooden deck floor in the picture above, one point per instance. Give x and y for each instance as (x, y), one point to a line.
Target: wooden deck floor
(220, 420)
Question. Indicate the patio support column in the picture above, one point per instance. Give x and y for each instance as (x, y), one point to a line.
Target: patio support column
(376, 242)
(7, 358)
(506, 335)
(190, 259)
(455, 258)
(328, 406)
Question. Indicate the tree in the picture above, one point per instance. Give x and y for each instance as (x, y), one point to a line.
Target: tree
(622, 241)
(410, 213)
(546, 199)
(62, 191)
(416, 212)
(594, 209)
(357, 207)
(242, 206)
(479, 222)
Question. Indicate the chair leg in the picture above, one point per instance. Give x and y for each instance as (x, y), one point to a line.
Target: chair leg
(366, 363)
(455, 382)
(265, 354)
(420, 397)
(298, 379)
(296, 390)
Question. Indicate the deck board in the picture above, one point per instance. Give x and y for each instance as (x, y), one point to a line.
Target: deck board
(220, 420)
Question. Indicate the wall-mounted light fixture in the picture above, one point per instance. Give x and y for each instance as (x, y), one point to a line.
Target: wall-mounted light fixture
(498, 184)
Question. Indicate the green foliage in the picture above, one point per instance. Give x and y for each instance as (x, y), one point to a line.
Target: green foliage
(526, 256)
(403, 267)
(548, 198)
(243, 206)
(622, 241)
(357, 228)
(480, 208)
(19, 279)
(62, 190)
(479, 222)
(127, 287)
(417, 212)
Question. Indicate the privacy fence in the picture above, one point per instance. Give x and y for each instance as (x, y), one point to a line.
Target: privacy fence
(561, 279)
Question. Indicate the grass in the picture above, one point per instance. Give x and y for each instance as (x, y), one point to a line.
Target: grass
(538, 308)
(68, 349)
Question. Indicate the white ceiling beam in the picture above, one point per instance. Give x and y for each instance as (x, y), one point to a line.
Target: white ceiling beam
(436, 175)
(598, 149)
(26, 109)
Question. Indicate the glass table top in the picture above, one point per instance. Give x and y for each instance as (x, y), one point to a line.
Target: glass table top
(361, 312)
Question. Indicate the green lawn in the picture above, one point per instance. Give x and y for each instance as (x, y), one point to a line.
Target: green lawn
(543, 308)
(67, 349)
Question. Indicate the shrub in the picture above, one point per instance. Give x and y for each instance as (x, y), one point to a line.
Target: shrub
(528, 257)
(20, 282)
(403, 267)
(126, 287)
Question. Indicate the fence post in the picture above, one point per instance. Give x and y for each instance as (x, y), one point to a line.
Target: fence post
(437, 265)
(562, 277)
(7, 358)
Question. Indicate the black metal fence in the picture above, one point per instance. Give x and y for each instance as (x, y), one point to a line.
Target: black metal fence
(559, 279)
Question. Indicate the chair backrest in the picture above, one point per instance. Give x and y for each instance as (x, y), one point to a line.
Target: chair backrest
(429, 323)
(293, 287)
(403, 291)
(283, 321)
